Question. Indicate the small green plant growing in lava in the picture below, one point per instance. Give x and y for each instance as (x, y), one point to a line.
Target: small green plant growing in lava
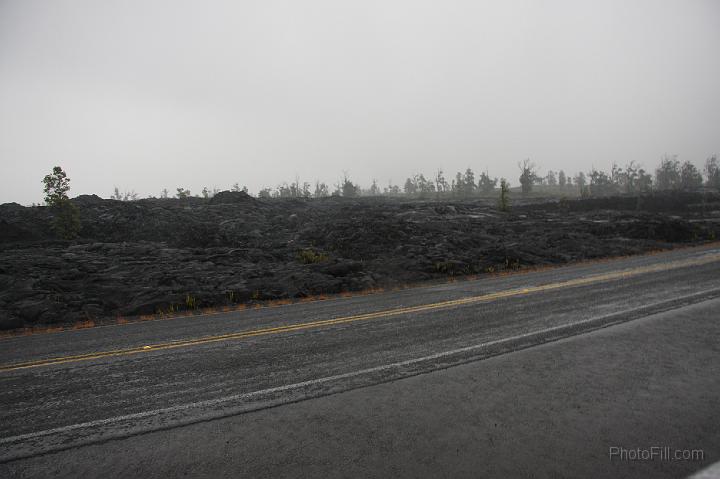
(190, 301)
(309, 256)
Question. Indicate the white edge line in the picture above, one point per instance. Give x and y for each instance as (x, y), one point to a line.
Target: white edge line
(311, 382)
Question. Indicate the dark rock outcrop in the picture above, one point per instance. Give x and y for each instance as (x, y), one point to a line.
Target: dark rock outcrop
(231, 197)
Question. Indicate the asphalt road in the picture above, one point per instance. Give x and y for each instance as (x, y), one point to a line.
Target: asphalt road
(367, 381)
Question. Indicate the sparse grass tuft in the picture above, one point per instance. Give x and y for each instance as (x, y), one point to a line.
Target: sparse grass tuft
(190, 301)
(442, 267)
(310, 256)
(452, 268)
(512, 264)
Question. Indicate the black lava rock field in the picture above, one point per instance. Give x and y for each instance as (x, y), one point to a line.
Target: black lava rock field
(157, 255)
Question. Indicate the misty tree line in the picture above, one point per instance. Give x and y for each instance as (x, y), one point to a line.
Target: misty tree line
(632, 179)
(670, 174)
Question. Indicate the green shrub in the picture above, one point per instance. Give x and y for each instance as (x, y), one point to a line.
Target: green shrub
(309, 256)
(190, 301)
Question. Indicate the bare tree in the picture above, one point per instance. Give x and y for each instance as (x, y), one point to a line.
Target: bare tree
(504, 200)
(667, 175)
(550, 178)
(485, 183)
(321, 190)
(712, 172)
(441, 185)
(690, 177)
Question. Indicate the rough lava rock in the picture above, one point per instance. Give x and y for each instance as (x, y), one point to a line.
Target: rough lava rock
(148, 256)
(231, 197)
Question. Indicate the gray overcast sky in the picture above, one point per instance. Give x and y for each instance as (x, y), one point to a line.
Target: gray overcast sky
(145, 94)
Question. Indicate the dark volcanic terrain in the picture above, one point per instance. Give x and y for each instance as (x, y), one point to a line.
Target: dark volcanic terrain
(157, 255)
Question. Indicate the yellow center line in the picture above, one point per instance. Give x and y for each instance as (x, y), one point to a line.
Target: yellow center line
(614, 275)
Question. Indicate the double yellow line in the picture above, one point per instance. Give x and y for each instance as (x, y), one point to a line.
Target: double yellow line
(615, 275)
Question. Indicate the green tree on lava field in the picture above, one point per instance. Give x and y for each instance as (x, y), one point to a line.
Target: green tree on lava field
(66, 218)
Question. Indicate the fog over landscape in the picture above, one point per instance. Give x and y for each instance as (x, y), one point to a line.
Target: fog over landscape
(333, 239)
(165, 94)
